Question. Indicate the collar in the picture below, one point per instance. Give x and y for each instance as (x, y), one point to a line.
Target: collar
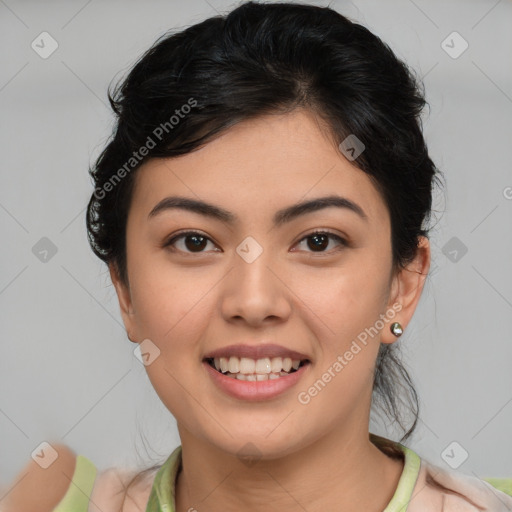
(163, 495)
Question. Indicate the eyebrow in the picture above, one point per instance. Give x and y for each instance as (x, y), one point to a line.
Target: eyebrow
(280, 217)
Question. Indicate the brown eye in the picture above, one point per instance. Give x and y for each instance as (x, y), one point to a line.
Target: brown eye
(193, 242)
(319, 240)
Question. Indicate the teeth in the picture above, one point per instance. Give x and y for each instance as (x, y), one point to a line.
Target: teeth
(222, 365)
(247, 365)
(276, 364)
(257, 376)
(246, 368)
(263, 366)
(234, 364)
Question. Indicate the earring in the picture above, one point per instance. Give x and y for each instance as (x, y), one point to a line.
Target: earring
(397, 329)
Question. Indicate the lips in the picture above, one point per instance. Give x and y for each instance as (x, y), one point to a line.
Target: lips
(256, 352)
(255, 390)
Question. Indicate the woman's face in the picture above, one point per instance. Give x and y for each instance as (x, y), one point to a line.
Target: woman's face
(252, 282)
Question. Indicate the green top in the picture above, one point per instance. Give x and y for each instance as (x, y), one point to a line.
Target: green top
(162, 496)
(79, 492)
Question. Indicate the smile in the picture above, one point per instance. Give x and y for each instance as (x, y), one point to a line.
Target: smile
(248, 369)
(256, 379)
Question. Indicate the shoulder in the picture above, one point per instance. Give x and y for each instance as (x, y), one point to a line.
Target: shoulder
(445, 490)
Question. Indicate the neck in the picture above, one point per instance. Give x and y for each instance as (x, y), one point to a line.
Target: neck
(365, 478)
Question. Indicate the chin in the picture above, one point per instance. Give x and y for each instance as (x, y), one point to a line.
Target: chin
(244, 443)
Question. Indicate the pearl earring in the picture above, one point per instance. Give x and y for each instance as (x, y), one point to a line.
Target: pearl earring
(397, 329)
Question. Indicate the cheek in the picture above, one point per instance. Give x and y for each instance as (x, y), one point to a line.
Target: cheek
(345, 299)
(163, 296)
(347, 303)
(168, 312)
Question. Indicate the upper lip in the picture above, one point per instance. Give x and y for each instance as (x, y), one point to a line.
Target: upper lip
(260, 351)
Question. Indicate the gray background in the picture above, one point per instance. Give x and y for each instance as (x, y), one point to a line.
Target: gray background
(67, 370)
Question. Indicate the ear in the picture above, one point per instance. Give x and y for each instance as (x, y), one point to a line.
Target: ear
(406, 288)
(125, 301)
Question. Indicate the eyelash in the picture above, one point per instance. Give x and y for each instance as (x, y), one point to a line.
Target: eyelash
(330, 234)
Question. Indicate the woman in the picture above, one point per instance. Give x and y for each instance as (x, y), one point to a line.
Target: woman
(262, 208)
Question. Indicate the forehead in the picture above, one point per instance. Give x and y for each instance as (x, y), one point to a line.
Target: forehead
(257, 166)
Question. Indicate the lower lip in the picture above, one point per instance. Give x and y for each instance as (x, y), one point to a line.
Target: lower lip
(255, 390)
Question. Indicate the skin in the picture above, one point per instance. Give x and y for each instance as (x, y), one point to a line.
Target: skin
(38, 489)
(189, 303)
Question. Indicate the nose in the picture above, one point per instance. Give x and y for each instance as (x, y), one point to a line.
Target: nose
(255, 292)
